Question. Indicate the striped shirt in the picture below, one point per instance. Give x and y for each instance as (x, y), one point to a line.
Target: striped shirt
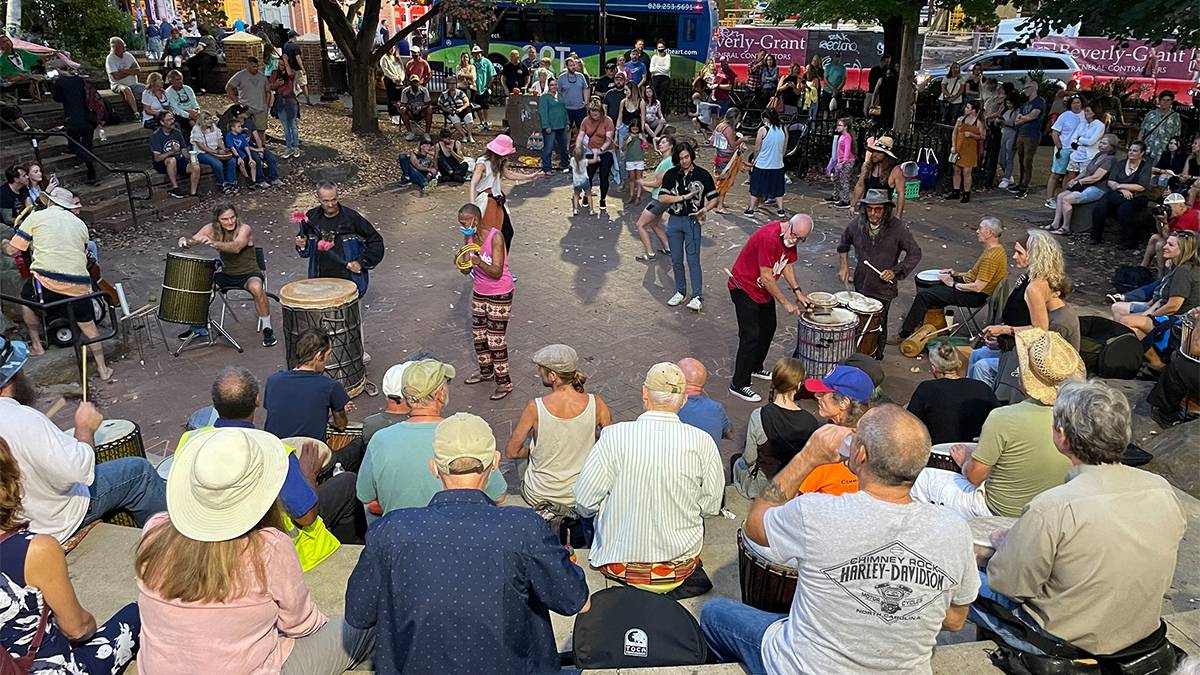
(991, 268)
(651, 481)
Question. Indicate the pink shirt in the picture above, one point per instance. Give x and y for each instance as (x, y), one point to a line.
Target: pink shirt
(484, 284)
(252, 634)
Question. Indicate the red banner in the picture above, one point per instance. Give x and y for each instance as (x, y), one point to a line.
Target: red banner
(1136, 58)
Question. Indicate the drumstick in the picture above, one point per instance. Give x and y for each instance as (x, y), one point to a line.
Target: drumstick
(83, 355)
(58, 405)
(876, 270)
(733, 278)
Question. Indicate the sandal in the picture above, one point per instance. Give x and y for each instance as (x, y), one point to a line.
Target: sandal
(650, 257)
(477, 378)
(501, 392)
(1061, 231)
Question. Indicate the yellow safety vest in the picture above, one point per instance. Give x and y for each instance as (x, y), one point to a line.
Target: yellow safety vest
(313, 543)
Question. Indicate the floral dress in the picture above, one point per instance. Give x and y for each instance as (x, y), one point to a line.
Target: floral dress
(109, 650)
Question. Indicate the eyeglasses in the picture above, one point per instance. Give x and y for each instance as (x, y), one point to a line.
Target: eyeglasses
(874, 208)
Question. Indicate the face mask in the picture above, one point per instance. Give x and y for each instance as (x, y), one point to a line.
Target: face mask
(467, 231)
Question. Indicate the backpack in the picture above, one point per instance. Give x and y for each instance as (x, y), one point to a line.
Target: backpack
(631, 628)
(1109, 349)
(94, 102)
(1129, 277)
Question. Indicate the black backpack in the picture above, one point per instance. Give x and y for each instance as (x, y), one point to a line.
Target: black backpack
(631, 628)
(1129, 277)
(1109, 349)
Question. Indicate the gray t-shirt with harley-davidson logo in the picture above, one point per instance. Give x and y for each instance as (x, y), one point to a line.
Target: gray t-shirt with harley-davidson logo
(875, 581)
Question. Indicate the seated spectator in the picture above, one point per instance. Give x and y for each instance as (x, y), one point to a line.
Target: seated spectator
(395, 470)
(182, 101)
(397, 409)
(328, 509)
(14, 194)
(1178, 217)
(174, 47)
(456, 106)
(39, 599)
(1175, 295)
(507, 572)
(452, 165)
(218, 579)
(1015, 455)
(1177, 381)
(169, 151)
(560, 428)
(775, 432)
(420, 167)
(154, 100)
(1170, 163)
(701, 411)
(1127, 184)
(210, 142)
(415, 106)
(202, 62)
(256, 162)
(898, 607)
(963, 290)
(17, 68)
(623, 481)
(1088, 560)
(303, 400)
(123, 70)
(843, 395)
(1090, 184)
(64, 487)
(951, 406)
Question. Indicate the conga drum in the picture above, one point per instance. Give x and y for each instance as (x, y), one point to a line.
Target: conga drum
(186, 289)
(117, 439)
(330, 306)
(336, 440)
(935, 317)
(825, 340)
(939, 457)
(765, 584)
(870, 323)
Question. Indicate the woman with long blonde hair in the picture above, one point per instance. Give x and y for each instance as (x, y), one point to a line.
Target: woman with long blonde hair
(466, 76)
(218, 579)
(154, 98)
(36, 594)
(1175, 295)
(1038, 301)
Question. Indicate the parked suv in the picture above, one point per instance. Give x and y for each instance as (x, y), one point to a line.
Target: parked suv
(1011, 65)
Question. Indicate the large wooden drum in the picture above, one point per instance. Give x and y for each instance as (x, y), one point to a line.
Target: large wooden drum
(186, 289)
(823, 340)
(330, 306)
(765, 584)
(117, 439)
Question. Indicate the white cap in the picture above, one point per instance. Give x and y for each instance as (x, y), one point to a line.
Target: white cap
(393, 386)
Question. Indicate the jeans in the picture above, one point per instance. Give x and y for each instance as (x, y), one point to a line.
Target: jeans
(289, 117)
(450, 171)
(603, 169)
(936, 297)
(409, 170)
(333, 648)
(83, 137)
(127, 484)
(756, 329)
(224, 169)
(984, 364)
(1026, 147)
(683, 236)
(272, 167)
(1007, 143)
(734, 632)
(995, 625)
(554, 138)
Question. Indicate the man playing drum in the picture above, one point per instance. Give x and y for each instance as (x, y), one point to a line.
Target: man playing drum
(885, 250)
(963, 290)
(233, 240)
(338, 242)
(754, 289)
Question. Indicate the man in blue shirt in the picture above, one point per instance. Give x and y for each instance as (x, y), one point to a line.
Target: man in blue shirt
(701, 411)
(300, 401)
(462, 585)
(235, 398)
(1031, 119)
(168, 149)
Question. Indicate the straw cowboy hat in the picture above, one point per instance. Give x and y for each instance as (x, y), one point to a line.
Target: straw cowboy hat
(1047, 360)
(883, 145)
(223, 481)
(64, 198)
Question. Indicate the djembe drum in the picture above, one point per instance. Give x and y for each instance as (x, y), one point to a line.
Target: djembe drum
(117, 439)
(186, 289)
(331, 307)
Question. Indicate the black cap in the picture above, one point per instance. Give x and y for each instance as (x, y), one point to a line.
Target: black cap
(869, 365)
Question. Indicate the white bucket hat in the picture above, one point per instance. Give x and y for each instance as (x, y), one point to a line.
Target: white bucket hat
(223, 481)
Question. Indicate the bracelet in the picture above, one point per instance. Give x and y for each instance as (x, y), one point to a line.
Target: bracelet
(795, 289)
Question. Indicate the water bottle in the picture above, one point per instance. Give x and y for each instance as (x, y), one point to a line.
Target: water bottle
(337, 468)
(103, 135)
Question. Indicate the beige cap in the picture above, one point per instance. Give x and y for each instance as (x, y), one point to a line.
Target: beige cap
(463, 435)
(422, 378)
(665, 377)
(558, 358)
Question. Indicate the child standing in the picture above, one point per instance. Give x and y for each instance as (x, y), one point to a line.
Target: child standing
(580, 183)
(841, 164)
(635, 160)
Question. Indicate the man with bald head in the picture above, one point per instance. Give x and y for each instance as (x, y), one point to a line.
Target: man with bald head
(879, 574)
(754, 288)
(701, 411)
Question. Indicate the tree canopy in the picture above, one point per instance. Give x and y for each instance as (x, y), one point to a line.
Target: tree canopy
(1152, 20)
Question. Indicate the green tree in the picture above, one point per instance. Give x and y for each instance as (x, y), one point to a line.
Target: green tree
(900, 21)
(81, 27)
(1153, 20)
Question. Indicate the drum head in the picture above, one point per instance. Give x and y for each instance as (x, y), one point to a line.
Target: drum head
(192, 257)
(982, 528)
(836, 317)
(864, 305)
(822, 299)
(113, 430)
(318, 293)
(944, 448)
(930, 276)
(844, 298)
(164, 467)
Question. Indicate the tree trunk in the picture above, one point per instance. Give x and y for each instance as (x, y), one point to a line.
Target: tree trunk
(362, 92)
(906, 89)
(893, 28)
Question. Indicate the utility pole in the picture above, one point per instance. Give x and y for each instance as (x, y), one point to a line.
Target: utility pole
(603, 35)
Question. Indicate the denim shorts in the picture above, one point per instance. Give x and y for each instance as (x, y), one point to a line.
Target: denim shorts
(1138, 307)
(1062, 160)
(1089, 194)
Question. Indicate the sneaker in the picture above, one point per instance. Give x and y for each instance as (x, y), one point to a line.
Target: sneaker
(295, 153)
(198, 332)
(574, 211)
(831, 199)
(269, 338)
(695, 304)
(781, 213)
(1004, 183)
(1014, 188)
(185, 334)
(676, 300)
(746, 394)
(177, 192)
(603, 206)
(395, 120)
(1020, 194)
(762, 375)
(965, 198)
(646, 257)
(748, 212)
(277, 182)
(1049, 203)
(842, 205)
(286, 154)
(409, 136)
(262, 185)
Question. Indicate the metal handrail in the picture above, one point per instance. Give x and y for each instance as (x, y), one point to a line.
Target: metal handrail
(80, 340)
(125, 171)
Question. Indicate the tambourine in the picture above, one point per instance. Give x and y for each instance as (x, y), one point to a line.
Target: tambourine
(463, 259)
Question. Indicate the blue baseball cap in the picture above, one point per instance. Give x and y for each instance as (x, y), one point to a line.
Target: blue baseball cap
(13, 355)
(845, 380)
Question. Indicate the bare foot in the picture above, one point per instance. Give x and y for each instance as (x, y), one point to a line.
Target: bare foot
(105, 375)
(36, 349)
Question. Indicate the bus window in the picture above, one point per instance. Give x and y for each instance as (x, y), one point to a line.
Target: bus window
(688, 33)
(510, 27)
(578, 28)
(650, 27)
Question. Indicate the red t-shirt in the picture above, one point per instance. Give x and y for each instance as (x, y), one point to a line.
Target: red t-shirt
(1189, 220)
(764, 249)
(596, 130)
(420, 69)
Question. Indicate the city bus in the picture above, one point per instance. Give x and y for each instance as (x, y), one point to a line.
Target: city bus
(558, 27)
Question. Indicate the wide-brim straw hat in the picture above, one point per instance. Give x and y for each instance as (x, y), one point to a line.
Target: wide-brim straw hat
(223, 481)
(883, 145)
(1047, 361)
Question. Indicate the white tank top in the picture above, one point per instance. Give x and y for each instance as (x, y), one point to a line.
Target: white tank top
(556, 457)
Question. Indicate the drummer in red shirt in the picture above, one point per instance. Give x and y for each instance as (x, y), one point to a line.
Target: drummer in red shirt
(1178, 217)
(753, 286)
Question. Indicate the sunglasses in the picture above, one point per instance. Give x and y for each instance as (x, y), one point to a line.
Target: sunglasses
(874, 208)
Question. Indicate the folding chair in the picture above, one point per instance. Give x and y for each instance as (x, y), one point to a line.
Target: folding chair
(994, 305)
(223, 291)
